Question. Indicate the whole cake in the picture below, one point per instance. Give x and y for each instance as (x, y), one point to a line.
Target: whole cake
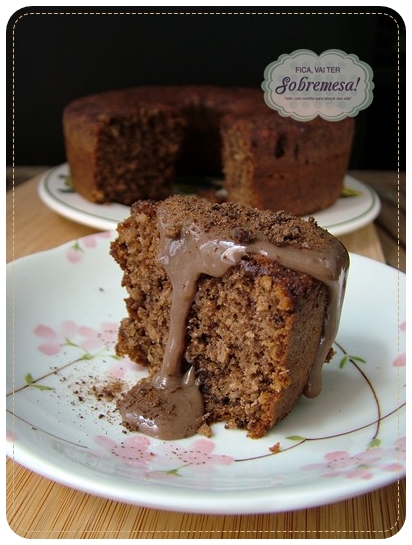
(233, 310)
(130, 144)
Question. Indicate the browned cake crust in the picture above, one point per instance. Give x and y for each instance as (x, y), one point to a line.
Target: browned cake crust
(129, 144)
(252, 335)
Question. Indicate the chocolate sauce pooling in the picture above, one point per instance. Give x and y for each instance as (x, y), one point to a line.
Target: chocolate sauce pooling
(170, 406)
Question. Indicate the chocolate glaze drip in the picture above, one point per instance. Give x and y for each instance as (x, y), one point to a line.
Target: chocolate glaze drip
(171, 406)
(168, 409)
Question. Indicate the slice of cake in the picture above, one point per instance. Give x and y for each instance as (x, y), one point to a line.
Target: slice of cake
(239, 304)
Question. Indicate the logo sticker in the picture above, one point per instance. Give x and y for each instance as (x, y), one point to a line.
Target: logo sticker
(333, 85)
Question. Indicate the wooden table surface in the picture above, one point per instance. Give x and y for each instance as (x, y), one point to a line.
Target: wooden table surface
(42, 509)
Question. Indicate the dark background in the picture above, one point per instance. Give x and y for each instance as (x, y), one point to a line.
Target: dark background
(55, 55)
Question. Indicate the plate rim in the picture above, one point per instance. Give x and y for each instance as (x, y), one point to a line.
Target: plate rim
(98, 220)
(238, 502)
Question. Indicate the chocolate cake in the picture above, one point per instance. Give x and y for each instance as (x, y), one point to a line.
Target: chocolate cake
(239, 304)
(131, 144)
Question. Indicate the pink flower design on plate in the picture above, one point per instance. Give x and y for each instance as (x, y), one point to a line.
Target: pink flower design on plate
(76, 250)
(94, 339)
(199, 454)
(400, 360)
(55, 339)
(75, 253)
(81, 336)
(341, 463)
(400, 454)
(90, 241)
(169, 457)
(400, 448)
(121, 366)
(133, 451)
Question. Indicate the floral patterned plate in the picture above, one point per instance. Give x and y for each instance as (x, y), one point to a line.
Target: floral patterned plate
(358, 205)
(63, 379)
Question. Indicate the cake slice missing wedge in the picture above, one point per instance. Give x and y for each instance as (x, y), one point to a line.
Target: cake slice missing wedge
(239, 304)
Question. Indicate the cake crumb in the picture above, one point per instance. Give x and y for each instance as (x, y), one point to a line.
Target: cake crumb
(205, 430)
(275, 448)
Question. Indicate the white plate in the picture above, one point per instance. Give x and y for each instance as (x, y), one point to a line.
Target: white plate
(64, 306)
(347, 214)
